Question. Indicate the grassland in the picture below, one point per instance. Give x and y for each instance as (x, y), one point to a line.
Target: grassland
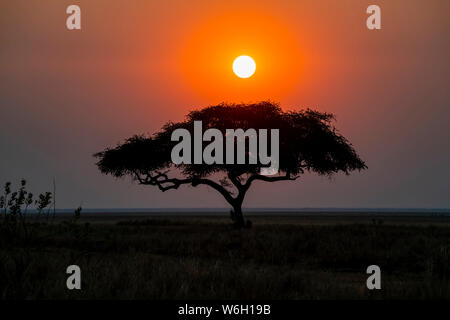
(206, 258)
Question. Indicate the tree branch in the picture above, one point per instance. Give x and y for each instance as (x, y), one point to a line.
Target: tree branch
(235, 180)
(164, 183)
(216, 186)
(261, 177)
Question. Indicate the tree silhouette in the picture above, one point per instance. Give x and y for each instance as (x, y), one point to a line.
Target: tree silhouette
(308, 142)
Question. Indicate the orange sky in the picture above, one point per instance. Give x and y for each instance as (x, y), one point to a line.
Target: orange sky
(207, 54)
(139, 63)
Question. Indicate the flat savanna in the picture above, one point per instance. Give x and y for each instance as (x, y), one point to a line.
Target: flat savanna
(302, 257)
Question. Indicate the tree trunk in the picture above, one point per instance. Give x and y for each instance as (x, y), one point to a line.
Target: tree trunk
(238, 218)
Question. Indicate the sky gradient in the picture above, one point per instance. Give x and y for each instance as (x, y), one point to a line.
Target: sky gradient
(137, 64)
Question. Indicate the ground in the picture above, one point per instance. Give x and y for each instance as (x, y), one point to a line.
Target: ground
(302, 257)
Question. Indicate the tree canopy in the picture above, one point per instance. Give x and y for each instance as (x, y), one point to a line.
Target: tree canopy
(308, 142)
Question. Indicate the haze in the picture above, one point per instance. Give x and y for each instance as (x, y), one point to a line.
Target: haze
(138, 64)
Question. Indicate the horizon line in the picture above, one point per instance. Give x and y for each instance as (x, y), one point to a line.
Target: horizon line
(253, 209)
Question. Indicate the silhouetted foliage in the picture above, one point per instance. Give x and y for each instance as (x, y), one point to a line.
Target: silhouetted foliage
(77, 213)
(43, 202)
(308, 142)
(14, 206)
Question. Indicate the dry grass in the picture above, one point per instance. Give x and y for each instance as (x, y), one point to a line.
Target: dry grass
(203, 259)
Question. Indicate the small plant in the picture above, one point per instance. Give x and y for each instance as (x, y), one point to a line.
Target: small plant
(4, 198)
(77, 213)
(15, 205)
(42, 203)
(12, 206)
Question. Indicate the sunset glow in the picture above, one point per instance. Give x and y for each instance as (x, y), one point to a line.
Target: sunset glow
(134, 67)
(212, 67)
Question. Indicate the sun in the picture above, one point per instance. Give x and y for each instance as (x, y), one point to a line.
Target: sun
(244, 66)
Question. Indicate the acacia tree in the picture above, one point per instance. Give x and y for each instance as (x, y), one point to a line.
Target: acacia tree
(308, 142)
